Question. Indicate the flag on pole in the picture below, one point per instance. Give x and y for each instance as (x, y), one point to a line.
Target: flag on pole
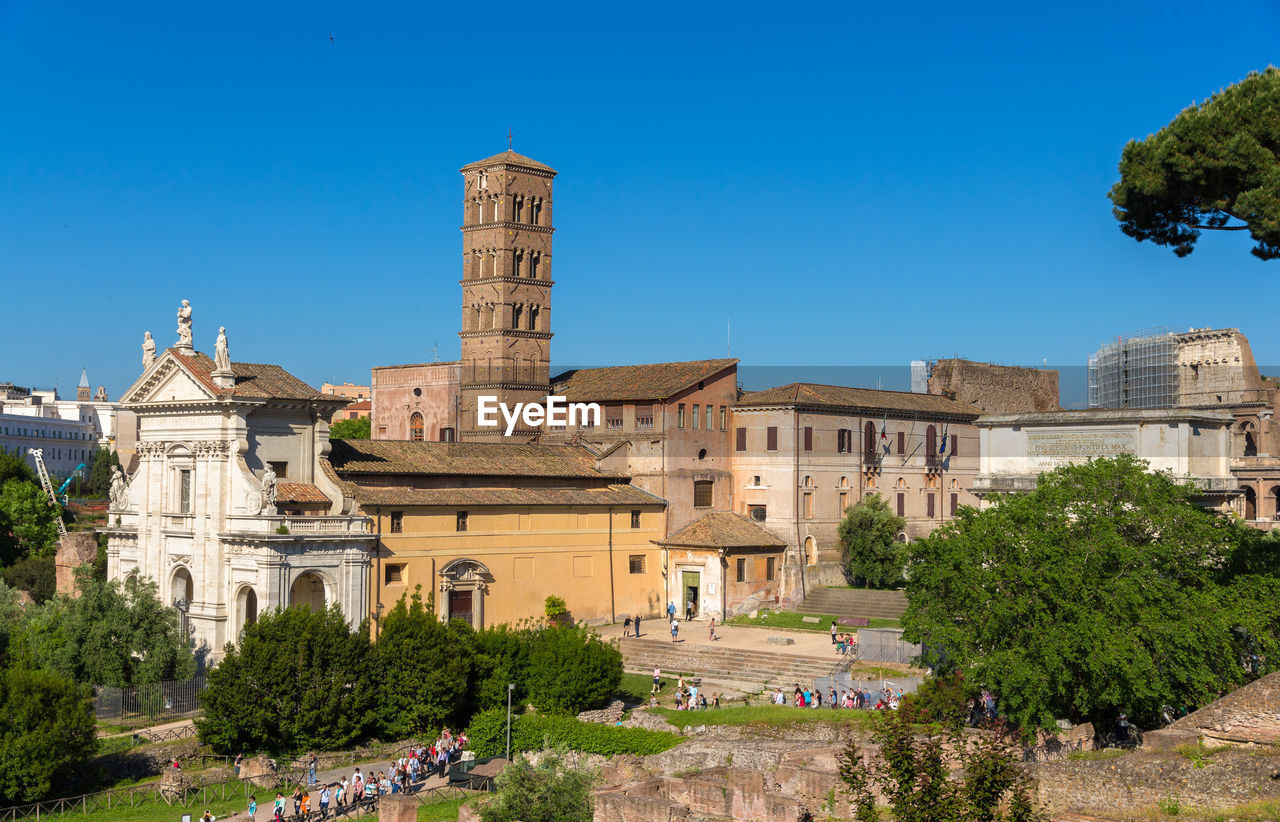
(942, 449)
(884, 430)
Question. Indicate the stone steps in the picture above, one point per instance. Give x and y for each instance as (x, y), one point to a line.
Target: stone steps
(722, 663)
(855, 602)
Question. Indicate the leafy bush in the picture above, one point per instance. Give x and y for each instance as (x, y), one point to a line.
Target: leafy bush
(422, 670)
(555, 607)
(46, 728)
(35, 575)
(299, 679)
(869, 542)
(571, 670)
(548, 792)
(357, 429)
(942, 699)
(487, 735)
(501, 658)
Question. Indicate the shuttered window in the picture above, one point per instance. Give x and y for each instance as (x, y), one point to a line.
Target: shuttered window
(955, 445)
(955, 503)
(644, 416)
(742, 569)
(902, 442)
(771, 438)
(808, 438)
(702, 493)
(902, 505)
(742, 439)
(770, 568)
(929, 506)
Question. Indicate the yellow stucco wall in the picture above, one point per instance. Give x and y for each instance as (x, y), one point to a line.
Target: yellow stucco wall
(531, 552)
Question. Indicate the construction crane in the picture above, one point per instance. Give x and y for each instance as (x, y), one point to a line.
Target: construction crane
(62, 489)
(47, 485)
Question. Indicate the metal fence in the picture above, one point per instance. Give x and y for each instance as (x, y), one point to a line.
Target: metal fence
(885, 645)
(844, 682)
(158, 702)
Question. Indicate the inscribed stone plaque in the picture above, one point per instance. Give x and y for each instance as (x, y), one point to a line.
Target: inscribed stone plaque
(1050, 449)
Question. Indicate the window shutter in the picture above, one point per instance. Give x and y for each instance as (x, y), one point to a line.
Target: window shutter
(771, 438)
(955, 445)
(902, 505)
(742, 439)
(902, 442)
(929, 508)
(955, 503)
(808, 438)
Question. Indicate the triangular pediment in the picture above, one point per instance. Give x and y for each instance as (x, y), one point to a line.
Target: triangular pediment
(167, 381)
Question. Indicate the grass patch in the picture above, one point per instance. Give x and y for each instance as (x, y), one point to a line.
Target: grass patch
(1091, 756)
(795, 621)
(763, 715)
(634, 689)
(155, 809)
(443, 811)
(1199, 754)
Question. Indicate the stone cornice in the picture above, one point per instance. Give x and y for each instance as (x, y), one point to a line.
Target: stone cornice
(509, 332)
(506, 279)
(541, 229)
(514, 386)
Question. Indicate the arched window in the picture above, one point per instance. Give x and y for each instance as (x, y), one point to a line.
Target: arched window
(869, 440)
(808, 481)
(1250, 501)
(810, 551)
(902, 483)
(415, 427)
(844, 482)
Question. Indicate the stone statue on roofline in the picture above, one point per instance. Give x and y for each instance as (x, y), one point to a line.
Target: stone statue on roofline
(269, 487)
(148, 350)
(118, 493)
(184, 326)
(221, 357)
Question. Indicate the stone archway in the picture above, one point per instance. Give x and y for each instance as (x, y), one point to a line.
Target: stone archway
(463, 585)
(309, 590)
(181, 588)
(810, 551)
(247, 606)
(1248, 503)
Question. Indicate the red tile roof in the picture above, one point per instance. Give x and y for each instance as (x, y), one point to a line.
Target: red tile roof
(620, 495)
(656, 381)
(299, 492)
(491, 459)
(813, 395)
(509, 158)
(259, 380)
(723, 529)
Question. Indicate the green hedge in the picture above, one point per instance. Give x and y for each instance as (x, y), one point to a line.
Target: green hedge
(534, 732)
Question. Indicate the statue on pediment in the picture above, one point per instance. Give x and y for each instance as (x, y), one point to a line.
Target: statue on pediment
(221, 356)
(184, 326)
(268, 487)
(148, 350)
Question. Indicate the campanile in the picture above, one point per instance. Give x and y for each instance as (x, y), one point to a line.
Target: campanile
(506, 284)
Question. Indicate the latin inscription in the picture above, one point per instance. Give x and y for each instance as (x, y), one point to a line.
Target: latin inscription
(1050, 449)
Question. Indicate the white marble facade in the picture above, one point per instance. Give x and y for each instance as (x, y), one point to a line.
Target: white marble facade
(194, 516)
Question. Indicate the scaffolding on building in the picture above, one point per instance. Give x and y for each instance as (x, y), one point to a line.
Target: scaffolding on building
(1136, 371)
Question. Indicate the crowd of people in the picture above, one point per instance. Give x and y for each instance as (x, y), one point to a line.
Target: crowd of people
(860, 698)
(316, 800)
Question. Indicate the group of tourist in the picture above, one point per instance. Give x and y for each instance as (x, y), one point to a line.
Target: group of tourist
(845, 643)
(860, 698)
(418, 763)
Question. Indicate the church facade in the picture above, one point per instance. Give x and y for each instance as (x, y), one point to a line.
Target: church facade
(228, 507)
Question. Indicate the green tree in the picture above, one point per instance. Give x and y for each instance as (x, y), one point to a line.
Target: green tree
(570, 670)
(35, 575)
(13, 466)
(547, 792)
(869, 541)
(297, 679)
(1215, 167)
(99, 477)
(29, 517)
(46, 728)
(422, 672)
(1101, 591)
(111, 634)
(501, 659)
(357, 429)
(913, 775)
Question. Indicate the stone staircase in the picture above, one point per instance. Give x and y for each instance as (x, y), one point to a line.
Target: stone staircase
(854, 602)
(723, 664)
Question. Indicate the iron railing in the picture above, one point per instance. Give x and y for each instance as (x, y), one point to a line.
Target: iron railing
(160, 701)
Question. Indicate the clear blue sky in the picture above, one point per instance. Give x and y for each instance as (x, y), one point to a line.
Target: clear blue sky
(850, 183)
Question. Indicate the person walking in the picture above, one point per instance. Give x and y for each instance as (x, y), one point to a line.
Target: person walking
(671, 610)
(637, 624)
(833, 632)
(688, 610)
(675, 628)
(626, 626)
(657, 681)
(713, 630)
(312, 761)
(253, 806)
(325, 796)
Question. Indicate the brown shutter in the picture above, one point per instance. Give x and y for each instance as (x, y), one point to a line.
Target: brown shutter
(955, 503)
(808, 438)
(902, 504)
(742, 439)
(771, 438)
(902, 442)
(955, 445)
(929, 508)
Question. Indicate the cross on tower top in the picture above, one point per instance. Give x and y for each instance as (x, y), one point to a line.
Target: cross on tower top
(509, 136)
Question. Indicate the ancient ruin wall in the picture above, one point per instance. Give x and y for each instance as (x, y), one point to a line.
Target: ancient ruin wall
(995, 389)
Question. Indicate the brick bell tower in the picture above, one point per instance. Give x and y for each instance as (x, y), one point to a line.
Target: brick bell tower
(506, 286)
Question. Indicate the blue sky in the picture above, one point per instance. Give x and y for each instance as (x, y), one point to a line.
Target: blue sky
(849, 184)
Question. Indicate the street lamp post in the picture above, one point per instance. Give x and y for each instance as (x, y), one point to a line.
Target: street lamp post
(510, 687)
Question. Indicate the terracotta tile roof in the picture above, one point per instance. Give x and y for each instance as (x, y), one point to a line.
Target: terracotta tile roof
(252, 379)
(362, 405)
(657, 381)
(723, 529)
(455, 497)
(813, 395)
(509, 158)
(299, 492)
(491, 459)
